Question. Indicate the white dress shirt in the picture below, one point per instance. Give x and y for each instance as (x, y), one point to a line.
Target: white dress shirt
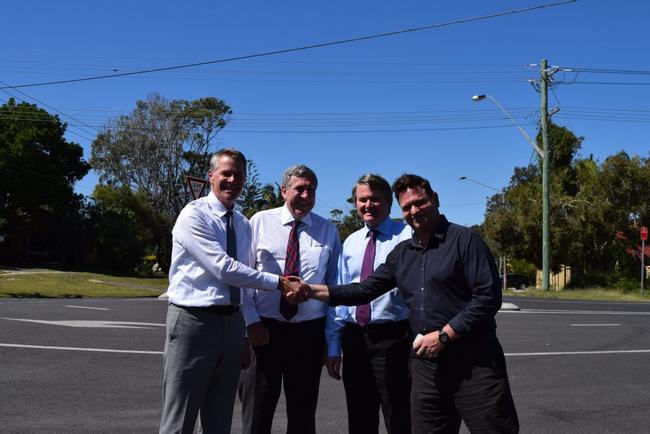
(320, 247)
(201, 270)
(387, 307)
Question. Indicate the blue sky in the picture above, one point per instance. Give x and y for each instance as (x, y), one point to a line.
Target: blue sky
(387, 105)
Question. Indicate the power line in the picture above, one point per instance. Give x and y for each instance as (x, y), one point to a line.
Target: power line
(42, 119)
(302, 48)
(611, 83)
(50, 107)
(603, 70)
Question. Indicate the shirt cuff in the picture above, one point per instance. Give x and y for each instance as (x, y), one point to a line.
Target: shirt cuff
(270, 281)
(334, 347)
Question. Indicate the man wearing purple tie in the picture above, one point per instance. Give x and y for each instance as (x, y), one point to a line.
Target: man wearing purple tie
(289, 340)
(375, 338)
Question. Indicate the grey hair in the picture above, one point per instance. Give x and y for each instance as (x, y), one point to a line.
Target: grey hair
(233, 153)
(299, 171)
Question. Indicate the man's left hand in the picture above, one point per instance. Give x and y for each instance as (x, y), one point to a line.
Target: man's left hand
(428, 346)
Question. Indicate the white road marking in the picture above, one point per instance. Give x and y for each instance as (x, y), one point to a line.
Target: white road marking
(572, 312)
(96, 350)
(594, 325)
(107, 350)
(578, 353)
(93, 324)
(86, 307)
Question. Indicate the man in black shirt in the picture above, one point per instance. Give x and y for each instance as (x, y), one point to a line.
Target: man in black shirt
(449, 281)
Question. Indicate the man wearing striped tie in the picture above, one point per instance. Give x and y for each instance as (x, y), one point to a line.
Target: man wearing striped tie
(375, 338)
(288, 339)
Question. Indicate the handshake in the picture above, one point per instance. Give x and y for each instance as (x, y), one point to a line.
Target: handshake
(295, 290)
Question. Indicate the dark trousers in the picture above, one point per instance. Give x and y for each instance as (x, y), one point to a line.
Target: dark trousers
(471, 385)
(293, 359)
(376, 373)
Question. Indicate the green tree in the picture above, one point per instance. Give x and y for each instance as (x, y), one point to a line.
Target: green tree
(152, 149)
(346, 223)
(123, 228)
(38, 170)
(255, 196)
(596, 210)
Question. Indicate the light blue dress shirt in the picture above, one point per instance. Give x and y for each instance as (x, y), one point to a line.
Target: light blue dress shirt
(388, 307)
(201, 270)
(320, 247)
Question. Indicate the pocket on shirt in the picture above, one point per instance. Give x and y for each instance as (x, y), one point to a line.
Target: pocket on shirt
(314, 257)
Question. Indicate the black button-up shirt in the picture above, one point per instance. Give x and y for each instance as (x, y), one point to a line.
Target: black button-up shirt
(451, 280)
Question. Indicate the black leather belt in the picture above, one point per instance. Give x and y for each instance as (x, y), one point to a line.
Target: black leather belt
(219, 309)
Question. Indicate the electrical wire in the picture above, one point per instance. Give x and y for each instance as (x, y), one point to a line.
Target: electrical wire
(302, 48)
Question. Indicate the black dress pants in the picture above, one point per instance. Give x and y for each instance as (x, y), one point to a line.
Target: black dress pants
(376, 374)
(292, 359)
(463, 383)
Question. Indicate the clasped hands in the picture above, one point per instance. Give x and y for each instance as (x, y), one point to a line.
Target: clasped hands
(294, 289)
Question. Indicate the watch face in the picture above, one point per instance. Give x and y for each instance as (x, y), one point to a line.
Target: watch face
(443, 337)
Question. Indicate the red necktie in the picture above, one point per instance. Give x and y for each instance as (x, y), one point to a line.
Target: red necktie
(291, 268)
(362, 313)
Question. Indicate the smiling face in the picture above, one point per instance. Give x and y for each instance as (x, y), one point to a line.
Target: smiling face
(419, 209)
(299, 196)
(227, 180)
(372, 207)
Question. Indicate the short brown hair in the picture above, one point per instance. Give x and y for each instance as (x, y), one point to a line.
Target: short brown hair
(409, 180)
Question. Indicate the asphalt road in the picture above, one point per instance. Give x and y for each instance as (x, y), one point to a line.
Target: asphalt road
(95, 365)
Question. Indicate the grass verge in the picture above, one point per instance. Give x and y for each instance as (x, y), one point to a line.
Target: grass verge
(593, 294)
(49, 283)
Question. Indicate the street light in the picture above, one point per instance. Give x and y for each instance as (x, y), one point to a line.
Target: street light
(478, 98)
(543, 156)
(462, 178)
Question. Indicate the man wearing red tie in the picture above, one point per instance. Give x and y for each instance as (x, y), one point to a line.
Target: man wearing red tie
(289, 339)
(375, 338)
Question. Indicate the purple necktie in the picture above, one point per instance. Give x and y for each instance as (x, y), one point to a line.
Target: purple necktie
(367, 267)
(291, 268)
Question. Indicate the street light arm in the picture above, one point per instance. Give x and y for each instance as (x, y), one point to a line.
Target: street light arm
(462, 178)
(521, 130)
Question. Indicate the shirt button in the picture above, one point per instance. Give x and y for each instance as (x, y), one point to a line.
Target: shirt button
(421, 289)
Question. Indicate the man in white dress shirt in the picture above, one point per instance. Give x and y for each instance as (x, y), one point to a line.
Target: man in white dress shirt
(211, 254)
(375, 338)
(289, 340)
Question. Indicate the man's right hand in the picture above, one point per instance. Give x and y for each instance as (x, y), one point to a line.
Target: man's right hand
(293, 289)
(334, 367)
(258, 334)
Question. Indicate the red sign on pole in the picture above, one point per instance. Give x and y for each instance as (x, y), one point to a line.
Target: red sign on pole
(644, 233)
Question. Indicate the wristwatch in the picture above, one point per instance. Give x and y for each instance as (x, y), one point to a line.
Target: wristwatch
(443, 337)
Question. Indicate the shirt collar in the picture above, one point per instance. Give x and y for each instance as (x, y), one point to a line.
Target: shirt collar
(440, 232)
(216, 206)
(382, 228)
(286, 217)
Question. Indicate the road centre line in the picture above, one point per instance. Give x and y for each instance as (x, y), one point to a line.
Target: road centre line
(86, 307)
(159, 353)
(594, 325)
(95, 350)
